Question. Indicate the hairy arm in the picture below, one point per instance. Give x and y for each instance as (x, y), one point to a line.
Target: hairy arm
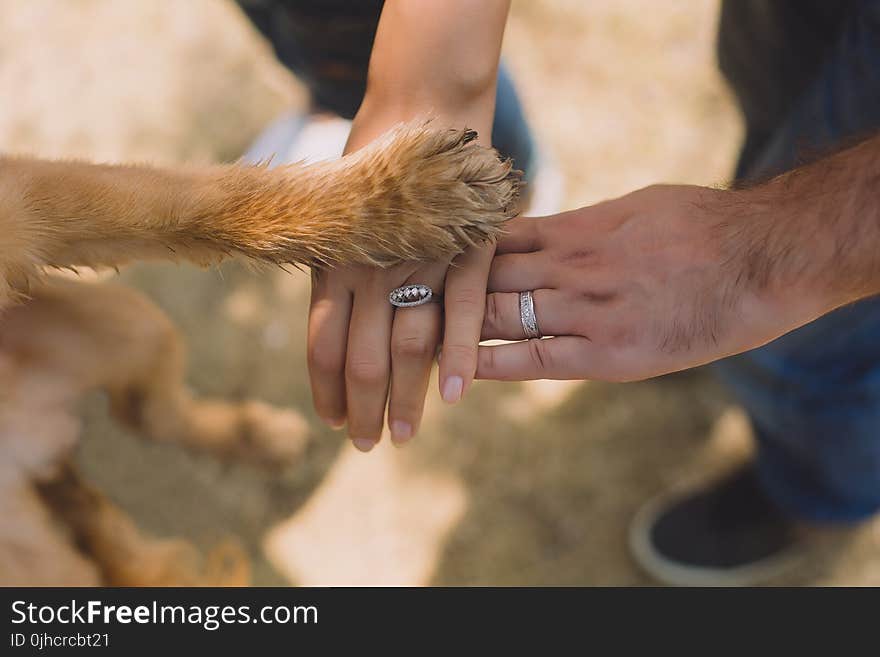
(815, 229)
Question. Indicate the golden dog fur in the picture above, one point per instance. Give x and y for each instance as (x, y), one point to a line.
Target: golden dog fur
(418, 193)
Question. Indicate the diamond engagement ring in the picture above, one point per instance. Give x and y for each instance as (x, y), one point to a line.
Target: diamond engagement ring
(527, 315)
(407, 296)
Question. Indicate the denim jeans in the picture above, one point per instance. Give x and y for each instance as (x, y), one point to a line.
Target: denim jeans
(807, 75)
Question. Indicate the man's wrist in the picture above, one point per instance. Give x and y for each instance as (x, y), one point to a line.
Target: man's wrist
(773, 262)
(791, 239)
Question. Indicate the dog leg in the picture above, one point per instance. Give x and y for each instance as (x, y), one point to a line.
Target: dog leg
(127, 557)
(72, 337)
(153, 399)
(417, 194)
(111, 337)
(36, 432)
(35, 549)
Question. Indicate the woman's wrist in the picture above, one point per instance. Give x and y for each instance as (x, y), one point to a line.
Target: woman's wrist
(380, 112)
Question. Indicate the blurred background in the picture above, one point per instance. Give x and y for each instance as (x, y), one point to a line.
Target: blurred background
(521, 484)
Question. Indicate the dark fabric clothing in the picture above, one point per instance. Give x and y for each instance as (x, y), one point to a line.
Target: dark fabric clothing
(807, 74)
(327, 43)
(771, 51)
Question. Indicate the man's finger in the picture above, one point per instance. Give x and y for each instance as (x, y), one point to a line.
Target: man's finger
(564, 357)
(518, 272)
(555, 312)
(521, 235)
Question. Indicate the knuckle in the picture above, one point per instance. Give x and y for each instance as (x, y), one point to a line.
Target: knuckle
(468, 297)
(322, 360)
(493, 316)
(489, 360)
(539, 354)
(366, 372)
(323, 278)
(412, 347)
(539, 230)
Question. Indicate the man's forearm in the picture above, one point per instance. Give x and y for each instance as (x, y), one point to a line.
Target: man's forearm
(815, 229)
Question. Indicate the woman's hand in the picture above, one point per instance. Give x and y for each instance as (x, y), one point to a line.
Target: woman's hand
(430, 57)
(666, 278)
(363, 352)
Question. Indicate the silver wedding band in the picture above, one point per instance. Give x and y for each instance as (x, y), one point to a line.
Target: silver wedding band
(527, 315)
(407, 296)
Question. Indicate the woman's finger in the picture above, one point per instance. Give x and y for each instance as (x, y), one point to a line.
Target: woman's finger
(415, 335)
(329, 314)
(554, 311)
(465, 303)
(367, 366)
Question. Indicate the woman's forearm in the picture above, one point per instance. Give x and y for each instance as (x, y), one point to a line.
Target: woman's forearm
(433, 57)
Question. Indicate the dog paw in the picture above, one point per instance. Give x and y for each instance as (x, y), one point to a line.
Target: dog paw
(418, 193)
(176, 562)
(271, 436)
(227, 564)
(427, 193)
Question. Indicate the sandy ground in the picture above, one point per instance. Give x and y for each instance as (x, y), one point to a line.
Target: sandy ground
(521, 484)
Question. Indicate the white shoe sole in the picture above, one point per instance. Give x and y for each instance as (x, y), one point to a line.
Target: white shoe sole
(673, 573)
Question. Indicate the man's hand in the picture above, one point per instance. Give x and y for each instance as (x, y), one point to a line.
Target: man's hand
(664, 279)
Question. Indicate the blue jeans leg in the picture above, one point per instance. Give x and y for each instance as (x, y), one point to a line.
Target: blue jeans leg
(814, 394)
(510, 131)
(814, 401)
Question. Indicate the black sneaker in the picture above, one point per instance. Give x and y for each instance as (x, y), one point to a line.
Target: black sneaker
(729, 534)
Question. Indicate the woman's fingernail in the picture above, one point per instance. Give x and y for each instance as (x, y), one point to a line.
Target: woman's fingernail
(401, 431)
(364, 444)
(335, 423)
(452, 389)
